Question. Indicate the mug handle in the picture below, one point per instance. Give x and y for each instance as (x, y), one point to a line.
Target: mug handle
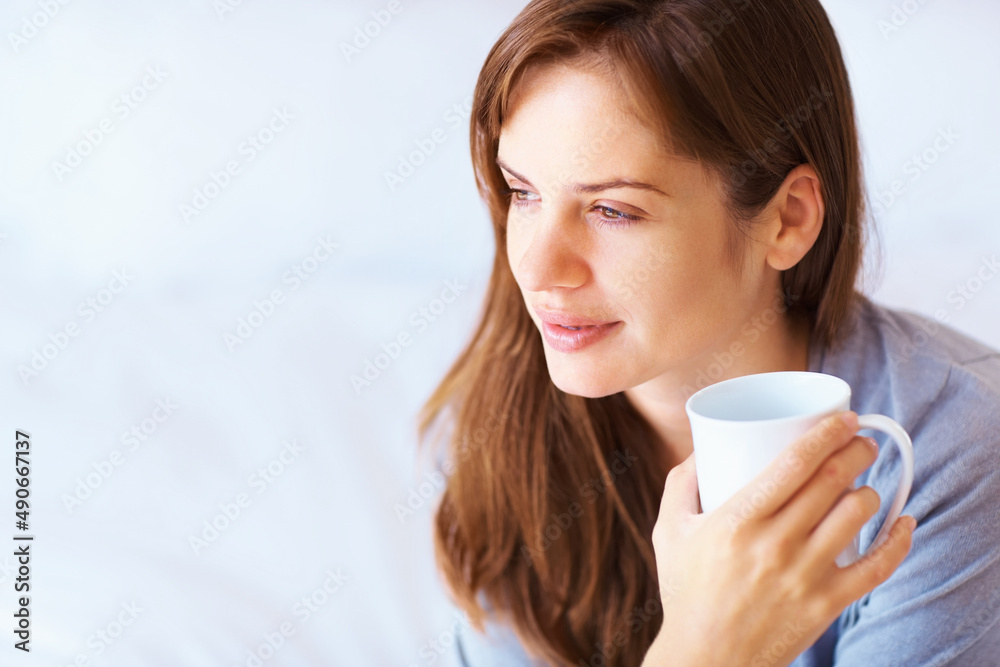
(905, 446)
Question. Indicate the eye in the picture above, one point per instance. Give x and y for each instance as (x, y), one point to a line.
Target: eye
(614, 218)
(520, 197)
(609, 217)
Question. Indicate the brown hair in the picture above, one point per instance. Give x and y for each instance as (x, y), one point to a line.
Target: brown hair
(551, 498)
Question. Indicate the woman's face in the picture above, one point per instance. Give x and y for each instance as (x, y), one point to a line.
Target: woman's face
(582, 241)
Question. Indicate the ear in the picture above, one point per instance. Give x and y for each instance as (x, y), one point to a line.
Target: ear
(794, 218)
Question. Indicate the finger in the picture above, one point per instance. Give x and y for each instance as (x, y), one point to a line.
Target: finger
(786, 474)
(804, 510)
(837, 530)
(849, 583)
(680, 491)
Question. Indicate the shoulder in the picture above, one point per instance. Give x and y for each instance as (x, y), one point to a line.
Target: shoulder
(917, 367)
(943, 388)
(913, 335)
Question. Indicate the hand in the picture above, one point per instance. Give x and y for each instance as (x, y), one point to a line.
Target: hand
(754, 582)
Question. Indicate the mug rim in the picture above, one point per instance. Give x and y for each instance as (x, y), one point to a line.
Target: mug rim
(751, 377)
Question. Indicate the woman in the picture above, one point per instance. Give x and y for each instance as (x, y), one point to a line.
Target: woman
(676, 193)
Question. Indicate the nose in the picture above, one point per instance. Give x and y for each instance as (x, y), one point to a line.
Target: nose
(556, 250)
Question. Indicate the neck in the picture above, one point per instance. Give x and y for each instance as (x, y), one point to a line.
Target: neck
(781, 347)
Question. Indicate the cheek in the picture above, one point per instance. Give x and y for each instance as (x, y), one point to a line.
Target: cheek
(514, 254)
(517, 242)
(651, 270)
(680, 286)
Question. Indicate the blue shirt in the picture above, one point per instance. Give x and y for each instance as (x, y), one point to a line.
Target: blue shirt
(942, 604)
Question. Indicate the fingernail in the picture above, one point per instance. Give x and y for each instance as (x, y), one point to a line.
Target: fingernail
(873, 443)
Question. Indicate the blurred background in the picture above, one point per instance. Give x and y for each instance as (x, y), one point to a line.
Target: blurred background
(240, 243)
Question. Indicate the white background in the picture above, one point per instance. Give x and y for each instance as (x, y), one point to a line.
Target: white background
(323, 176)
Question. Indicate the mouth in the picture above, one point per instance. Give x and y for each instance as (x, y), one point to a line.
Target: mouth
(567, 336)
(578, 328)
(570, 322)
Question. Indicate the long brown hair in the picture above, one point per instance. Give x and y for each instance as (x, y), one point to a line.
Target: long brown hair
(550, 501)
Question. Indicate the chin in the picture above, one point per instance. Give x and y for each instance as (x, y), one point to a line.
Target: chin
(586, 383)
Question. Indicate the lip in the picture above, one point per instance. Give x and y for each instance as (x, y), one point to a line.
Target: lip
(566, 340)
(567, 320)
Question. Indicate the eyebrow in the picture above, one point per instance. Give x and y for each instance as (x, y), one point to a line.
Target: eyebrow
(581, 188)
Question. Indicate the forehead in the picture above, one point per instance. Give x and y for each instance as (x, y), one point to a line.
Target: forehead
(575, 123)
(565, 106)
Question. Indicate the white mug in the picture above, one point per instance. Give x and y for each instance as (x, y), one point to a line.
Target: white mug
(740, 425)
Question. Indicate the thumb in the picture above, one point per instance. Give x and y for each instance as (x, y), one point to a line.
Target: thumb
(680, 492)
